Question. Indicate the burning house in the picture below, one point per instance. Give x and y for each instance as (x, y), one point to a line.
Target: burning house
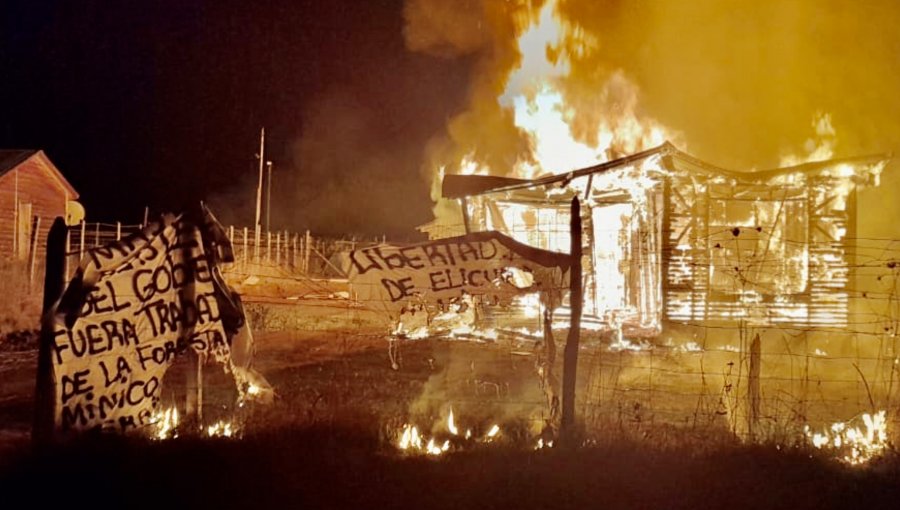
(671, 239)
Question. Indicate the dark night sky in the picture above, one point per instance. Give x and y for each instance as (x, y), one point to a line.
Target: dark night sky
(160, 103)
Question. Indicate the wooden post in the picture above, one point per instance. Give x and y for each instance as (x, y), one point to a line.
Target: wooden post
(231, 235)
(256, 244)
(550, 381)
(268, 245)
(81, 243)
(753, 389)
(97, 235)
(146, 216)
(35, 235)
(302, 250)
(45, 392)
(68, 252)
(306, 255)
(570, 359)
(464, 205)
(244, 256)
(294, 252)
(278, 248)
(118, 231)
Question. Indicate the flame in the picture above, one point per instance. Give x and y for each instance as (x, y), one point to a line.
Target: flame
(413, 441)
(450, 425)
(541, 444)
(221, 429)
(165, 423)
(560, 142)
(561, 137)
(853, 445)
(820, 147)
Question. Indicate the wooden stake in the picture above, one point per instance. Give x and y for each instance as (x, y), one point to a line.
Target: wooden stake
(45, 392)
(550, 381)
(35, 235)
(306, 255)
(753, 390)
(256, 244)
(244, 255)
(464, 205)
(81, 243)
(570, 359)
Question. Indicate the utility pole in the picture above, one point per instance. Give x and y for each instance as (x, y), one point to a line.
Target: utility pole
(268, 193)
(262, 160)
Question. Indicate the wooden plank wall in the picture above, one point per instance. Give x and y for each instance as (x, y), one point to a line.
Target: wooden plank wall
(37, 187)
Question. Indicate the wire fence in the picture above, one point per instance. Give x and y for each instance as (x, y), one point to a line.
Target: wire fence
(256, 251)
(695, 376)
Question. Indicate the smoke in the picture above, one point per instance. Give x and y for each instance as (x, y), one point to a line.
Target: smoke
(444, 28)
(741, 82)
(483, 386)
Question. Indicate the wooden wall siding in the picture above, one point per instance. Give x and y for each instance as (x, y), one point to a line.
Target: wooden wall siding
(787, 266)
(37, 186)
(793, 293)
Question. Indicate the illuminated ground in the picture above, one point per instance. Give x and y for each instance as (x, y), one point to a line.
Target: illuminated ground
(328, 441)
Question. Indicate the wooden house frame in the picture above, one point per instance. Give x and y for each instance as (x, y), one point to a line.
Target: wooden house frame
(672, 239)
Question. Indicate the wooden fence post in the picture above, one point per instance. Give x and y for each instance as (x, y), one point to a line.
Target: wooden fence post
(256, 244)
(244, 256)
(81, 242)
(45, 393)
(68, 252)
(306, 255)
(97, 235)
(118, 231)
(570, 359)
(268, 246)
(278, 248)
(753, 388)
(35, 235)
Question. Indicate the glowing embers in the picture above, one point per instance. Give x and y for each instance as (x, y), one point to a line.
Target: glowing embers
(852, 444)
(449, 437)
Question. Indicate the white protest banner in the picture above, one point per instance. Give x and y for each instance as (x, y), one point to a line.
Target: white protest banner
(390, 277)
(130, 309)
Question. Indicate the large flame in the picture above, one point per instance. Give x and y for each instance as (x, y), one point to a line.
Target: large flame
(560, 139)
